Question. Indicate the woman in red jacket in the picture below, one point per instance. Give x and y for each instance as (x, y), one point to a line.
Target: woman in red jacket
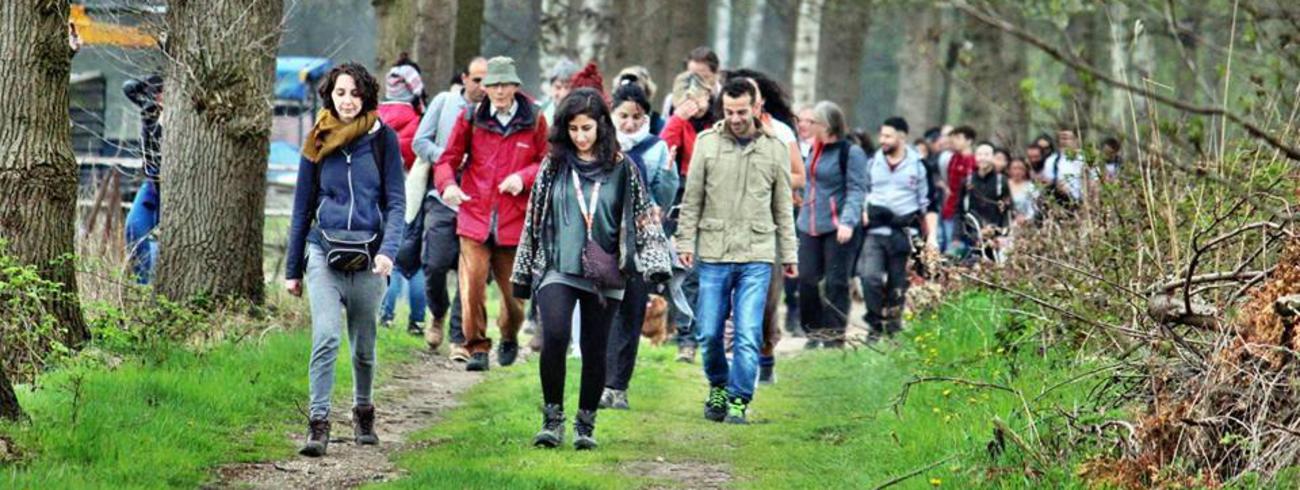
(403, 105)
(401, 110)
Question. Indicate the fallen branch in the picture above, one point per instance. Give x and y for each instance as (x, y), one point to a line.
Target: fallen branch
(1208, 278)
(1127, 331)
(903, 477)
(1166, 310)
(1024, 446)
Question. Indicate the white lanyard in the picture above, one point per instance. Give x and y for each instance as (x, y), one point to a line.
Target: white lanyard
(588, 211)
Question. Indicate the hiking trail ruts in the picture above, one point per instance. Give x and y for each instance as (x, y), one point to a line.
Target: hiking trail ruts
(415, 396)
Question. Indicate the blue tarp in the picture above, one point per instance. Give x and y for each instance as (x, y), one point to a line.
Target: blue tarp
(283, 157)
(295, 76)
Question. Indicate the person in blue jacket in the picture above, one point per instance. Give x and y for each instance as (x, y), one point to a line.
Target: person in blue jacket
(345, 229)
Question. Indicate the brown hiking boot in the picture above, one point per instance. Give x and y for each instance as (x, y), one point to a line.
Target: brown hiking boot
(363, 425)
(433, 334)
(459, 353)
(318, 438)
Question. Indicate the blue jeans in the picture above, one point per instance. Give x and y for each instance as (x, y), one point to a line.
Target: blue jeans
(414, 292)
(946, 229)
(141, 246)
(724, 286)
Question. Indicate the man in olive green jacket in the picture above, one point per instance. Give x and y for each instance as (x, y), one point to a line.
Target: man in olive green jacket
(736, 219)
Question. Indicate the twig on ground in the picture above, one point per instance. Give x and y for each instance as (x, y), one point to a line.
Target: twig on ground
(903, 477)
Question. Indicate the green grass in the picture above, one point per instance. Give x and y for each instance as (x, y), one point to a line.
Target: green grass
(169, 423)
(827, 423)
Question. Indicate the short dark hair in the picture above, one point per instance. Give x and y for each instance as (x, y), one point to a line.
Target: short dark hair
(932, 134)
(631, 92)
(589, 102)
(1112, 142)
(737, 87)
(366, 85)
(704, 54)
(898, 123)
(966, 131)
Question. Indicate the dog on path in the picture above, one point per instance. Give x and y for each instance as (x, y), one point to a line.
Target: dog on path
(656, 327)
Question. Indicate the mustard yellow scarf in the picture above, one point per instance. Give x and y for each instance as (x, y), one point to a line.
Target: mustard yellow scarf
(329, 133)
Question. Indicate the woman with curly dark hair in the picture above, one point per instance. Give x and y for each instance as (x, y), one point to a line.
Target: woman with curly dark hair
(346, 225)
(590, 225)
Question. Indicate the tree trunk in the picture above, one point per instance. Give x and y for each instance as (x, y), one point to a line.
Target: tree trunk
(919, 75)
(435, 45)
(992, 101)
(469, 32)
(9, 407)
(779, 32)
(721, 39)
(657, 34)
(843, 42)
(510, 28)
(558, 22)
(396, 30)
(1086, 37)
(37, 170)
(219, 80)
(594, 32)
(1117, 100)
(807, 40)
(754, 35)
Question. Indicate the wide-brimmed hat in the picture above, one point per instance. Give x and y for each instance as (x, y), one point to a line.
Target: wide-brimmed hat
(501, 69)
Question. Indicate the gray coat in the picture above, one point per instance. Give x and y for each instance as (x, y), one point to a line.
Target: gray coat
(834, 194)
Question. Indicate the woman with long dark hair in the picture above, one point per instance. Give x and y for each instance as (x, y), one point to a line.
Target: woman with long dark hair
(343, 235)
(590, 225)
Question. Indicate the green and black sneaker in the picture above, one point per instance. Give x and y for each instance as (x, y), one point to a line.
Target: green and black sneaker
(715, 407)
(736, 411)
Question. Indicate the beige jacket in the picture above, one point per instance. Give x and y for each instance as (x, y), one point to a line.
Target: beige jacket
(737, 206)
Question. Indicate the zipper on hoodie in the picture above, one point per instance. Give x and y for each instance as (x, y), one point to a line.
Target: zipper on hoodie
(352, 196)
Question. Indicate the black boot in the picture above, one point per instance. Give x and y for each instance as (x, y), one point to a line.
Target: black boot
(507, 353)
(552, 433)
(363, 425)
(584, 428)
(318, 438)
(477, 362)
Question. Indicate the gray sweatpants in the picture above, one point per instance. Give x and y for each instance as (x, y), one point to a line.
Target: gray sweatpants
(331, 292)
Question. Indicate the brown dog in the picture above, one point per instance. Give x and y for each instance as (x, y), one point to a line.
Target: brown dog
(656, 322)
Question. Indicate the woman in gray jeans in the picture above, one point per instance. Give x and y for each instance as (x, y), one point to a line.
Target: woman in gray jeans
(344, 232)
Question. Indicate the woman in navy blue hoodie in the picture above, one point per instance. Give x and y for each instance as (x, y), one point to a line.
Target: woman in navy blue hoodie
(347, 222)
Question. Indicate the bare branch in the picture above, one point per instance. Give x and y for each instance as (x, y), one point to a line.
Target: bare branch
(1069, 60)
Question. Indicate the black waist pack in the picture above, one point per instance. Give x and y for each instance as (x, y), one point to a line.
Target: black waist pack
(349, 250)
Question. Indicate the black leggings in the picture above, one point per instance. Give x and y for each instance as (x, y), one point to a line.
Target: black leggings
(625, 335)
(555, 304)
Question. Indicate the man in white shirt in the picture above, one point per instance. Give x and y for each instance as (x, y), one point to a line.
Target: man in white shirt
(1064, 171)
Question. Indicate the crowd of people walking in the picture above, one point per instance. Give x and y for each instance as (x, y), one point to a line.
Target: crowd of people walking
(589, 207)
